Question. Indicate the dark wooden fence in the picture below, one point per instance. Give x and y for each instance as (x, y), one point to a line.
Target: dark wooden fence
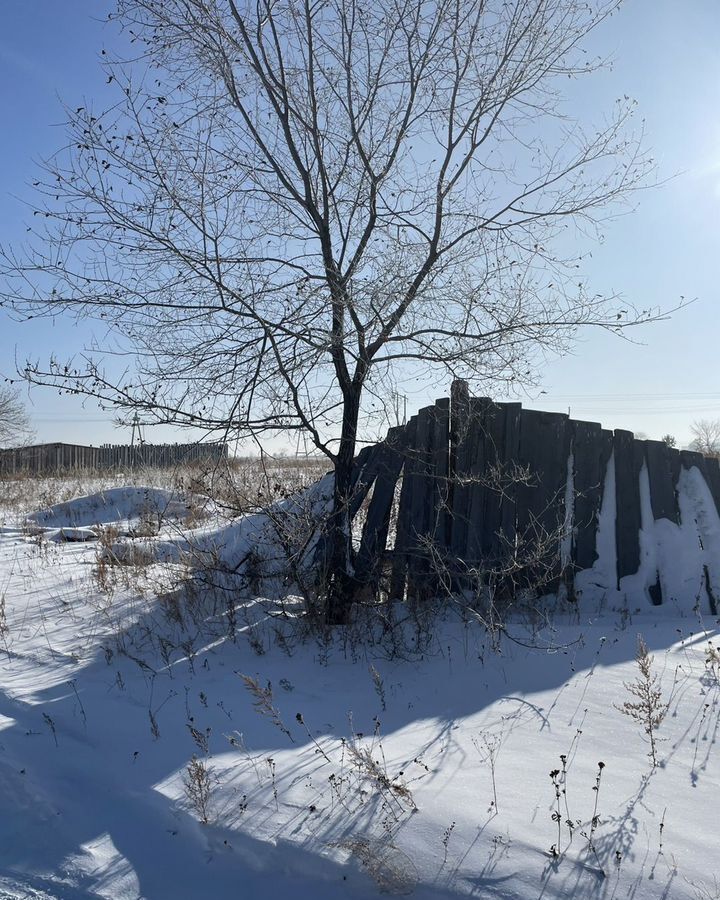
(48, 458)
(507, 493)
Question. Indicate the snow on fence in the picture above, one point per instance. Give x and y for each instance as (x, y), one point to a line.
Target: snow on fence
(470, 487)
(46, 458)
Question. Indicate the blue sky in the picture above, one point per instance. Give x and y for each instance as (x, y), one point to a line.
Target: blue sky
(667, 56)
(48, 55)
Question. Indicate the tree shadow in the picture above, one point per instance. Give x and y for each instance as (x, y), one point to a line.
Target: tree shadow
(105, 775)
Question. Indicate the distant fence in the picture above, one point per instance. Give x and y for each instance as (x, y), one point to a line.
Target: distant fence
(469, 485)
(47, 458)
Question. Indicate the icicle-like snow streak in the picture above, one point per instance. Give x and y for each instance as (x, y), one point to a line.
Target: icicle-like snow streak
(679, 564)
(594, 585)
(674, 557)
(636, 588)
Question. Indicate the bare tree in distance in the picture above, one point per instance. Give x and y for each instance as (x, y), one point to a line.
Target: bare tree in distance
(295, 207)
(669, 440)
(15, 427)
(706, 436)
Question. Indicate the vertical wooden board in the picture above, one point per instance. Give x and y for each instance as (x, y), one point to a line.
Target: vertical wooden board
(558, 513)
(675, 467)
(587, 477)
(365, 467)
(459, 425)
(512, 413)
(421, 497)
(421, 493)
(489, 520)
(607, 447)
(440, 506)
(465, 427)
(689, 458)
(375, 531)
(627, 495)
(544, 450)
(402, 536)
(459, 439)
(662, 485)
(638, 462)
(481, 411)
(529, 438)
(712, 475)
(552, 457)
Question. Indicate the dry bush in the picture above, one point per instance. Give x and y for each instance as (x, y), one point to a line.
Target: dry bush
(648, 708)
(242, 486)
(370, 764)
(198, 783)
(391, 869)
(263, 703)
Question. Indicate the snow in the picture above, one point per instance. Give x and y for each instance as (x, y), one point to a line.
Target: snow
(111, 680)
(676, 556)
(120, 506)
(594, 586)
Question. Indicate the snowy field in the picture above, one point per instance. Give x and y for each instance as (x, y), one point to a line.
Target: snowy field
(165, 738)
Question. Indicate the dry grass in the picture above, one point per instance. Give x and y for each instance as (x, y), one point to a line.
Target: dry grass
(198, 783)
(239, 486)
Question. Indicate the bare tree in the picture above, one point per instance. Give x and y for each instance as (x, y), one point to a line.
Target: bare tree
(14, 422)
(296, 205)
(669, 440)
(706, 436)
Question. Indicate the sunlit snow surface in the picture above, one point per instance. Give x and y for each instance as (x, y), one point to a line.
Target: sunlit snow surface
(97, 717)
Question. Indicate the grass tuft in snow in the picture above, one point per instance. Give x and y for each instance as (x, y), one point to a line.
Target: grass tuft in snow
(648, 708)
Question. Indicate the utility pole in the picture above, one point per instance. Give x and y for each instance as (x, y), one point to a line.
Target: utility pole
(136, 426)
(136, 458)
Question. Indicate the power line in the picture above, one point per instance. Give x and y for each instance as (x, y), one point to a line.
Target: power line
(636, 410)
(69, 420)
(631, 397)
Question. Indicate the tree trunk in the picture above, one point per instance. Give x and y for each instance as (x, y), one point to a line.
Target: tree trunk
(340, 574)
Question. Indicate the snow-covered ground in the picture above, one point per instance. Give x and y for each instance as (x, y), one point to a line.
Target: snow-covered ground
(416, 762)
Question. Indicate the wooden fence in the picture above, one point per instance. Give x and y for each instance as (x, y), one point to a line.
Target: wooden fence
(510, 492)
(48, 458)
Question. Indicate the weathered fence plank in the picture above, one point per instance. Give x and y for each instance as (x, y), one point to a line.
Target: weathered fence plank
(662, 485)
(712, 474)
(690, 459)
(481, 455)
(440, 528)
(365, 468)
(494, 433)
(627, 495)
(508, 494)
(543, 459)
(544, 451)
(377, 524)
(587, 485)
(421, 500)
(398, 578)
(461, 435)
